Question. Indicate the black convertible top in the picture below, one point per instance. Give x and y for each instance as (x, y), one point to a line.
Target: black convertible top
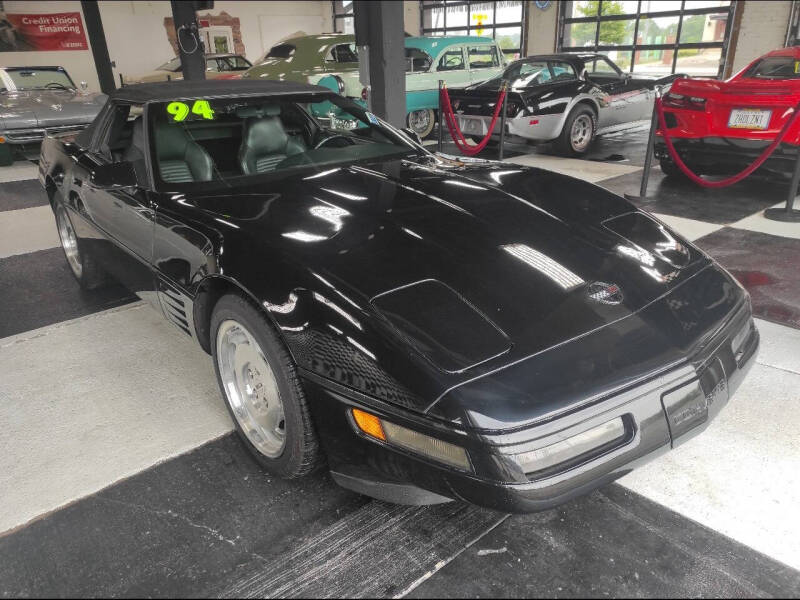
(164, 91)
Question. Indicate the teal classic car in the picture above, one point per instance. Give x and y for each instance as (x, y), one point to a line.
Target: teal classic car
(458, 60)
(331, 60)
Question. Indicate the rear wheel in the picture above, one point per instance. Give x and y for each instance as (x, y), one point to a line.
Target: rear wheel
(422, 121)
(262, 391)
(578, 132)
(83, 266)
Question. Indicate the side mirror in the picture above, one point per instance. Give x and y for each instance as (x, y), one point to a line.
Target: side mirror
(84, 86)
(114, 176)
(413, 135)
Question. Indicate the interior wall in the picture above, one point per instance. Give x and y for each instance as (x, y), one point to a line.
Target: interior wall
(78, 63)
(411, 17)
(762, 28)
(542, 29)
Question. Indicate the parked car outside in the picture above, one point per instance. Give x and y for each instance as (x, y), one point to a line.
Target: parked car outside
(566, 98)
(428, 329)
(220, 66)
(721, 127)
(37, 101)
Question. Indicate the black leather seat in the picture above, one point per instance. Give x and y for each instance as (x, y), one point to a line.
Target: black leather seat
(265, 143)
(180, 158)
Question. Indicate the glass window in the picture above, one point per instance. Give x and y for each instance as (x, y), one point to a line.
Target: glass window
(417, 60)
(608, 26)
(343, 16)
(483, 57)
(451, 60)
(212, 65)
(774, 67)
(343, 53)
(39, 79)
(478, 19)
(601, 66)
(562, 70)
(227, 135)
(171, 65)
(281, 51)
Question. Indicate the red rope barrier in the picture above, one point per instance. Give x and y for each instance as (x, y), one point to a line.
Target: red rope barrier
(735, 178)
(455, 132)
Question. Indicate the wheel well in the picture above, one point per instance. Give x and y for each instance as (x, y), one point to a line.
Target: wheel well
(50, 189)
(588, 103)
(208, 294)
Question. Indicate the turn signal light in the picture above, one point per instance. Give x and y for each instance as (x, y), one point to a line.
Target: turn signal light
(369, 424)
(413, 441)
(364, 94)
(681, 101)
(2, 140)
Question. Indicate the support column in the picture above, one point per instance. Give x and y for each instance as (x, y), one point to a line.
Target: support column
(381, 45)
(97, 41)
(190, 48)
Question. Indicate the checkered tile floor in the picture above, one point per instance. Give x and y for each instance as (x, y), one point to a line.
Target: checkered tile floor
(119, 475)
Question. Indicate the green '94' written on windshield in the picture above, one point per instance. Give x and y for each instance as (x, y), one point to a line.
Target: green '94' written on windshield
(180, 110)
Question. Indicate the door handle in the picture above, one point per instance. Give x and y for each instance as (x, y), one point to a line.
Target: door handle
(77, 182)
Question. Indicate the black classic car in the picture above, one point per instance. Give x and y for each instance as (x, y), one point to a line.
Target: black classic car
(431, 329)
(35, 101)
(566, 98)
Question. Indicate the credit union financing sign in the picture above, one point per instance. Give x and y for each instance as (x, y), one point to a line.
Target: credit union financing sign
(51, 31)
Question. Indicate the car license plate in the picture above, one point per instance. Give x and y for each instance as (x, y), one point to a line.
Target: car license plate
(749, 118)
(472, 126)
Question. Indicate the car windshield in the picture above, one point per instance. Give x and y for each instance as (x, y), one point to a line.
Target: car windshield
(775, 67)
(36, 79)
(227, 140)
(171, 65)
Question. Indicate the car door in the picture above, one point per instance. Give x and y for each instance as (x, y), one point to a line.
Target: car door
(483, 61)
(123, 216)
(623, 99)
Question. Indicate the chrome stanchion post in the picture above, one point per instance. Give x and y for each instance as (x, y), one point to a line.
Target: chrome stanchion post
(788, 213)
(441, 117)
(503, 120)
(648, 159)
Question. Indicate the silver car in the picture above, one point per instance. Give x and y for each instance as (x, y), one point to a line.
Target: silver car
(38, 101)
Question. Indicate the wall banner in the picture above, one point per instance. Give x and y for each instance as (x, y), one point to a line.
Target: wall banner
(52, 31)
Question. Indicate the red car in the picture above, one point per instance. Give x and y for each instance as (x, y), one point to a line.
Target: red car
(721, 127)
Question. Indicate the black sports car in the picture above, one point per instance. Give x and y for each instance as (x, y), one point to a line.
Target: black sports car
(566, 98)
(435, 329)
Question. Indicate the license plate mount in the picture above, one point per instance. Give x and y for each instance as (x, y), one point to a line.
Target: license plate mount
(749, 118)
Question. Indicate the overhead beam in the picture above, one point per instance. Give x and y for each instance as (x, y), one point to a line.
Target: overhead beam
(381, 43)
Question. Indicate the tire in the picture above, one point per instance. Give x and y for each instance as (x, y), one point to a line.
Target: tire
(262, 391)
(576, 143)
(669, 168)
(83, 266)
(421, 121)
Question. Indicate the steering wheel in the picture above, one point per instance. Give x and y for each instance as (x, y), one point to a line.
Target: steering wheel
(55, 85)
(324, 141)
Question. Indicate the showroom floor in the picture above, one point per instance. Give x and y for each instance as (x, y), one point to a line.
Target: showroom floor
(119, 474)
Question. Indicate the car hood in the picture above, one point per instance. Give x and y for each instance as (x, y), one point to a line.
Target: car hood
(538, 255)
(48, 108)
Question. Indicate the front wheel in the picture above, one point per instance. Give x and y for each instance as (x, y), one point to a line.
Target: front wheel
(262, 390)
(83, 266)
(578, 132)
(422, 122)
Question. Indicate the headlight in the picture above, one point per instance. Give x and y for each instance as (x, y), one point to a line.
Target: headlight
(413, 441)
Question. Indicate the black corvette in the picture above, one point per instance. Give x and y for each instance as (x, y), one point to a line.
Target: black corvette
(566, 98)
(431, 329)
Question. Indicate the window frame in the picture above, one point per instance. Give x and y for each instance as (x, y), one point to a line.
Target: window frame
(445, 30)
(464, 60)
(564, 21)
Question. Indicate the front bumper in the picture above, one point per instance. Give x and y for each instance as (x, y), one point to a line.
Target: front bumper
(540, 128)
(727, 156)
(658, 414)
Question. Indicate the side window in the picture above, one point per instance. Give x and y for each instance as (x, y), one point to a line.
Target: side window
(120, 138)
(601, 66)
(213, 65)
(451, 60)
(417, 60)
(343, 53)
(562, 71)
(483, 57)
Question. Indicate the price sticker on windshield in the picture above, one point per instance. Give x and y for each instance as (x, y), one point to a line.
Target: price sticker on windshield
(180, 110)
